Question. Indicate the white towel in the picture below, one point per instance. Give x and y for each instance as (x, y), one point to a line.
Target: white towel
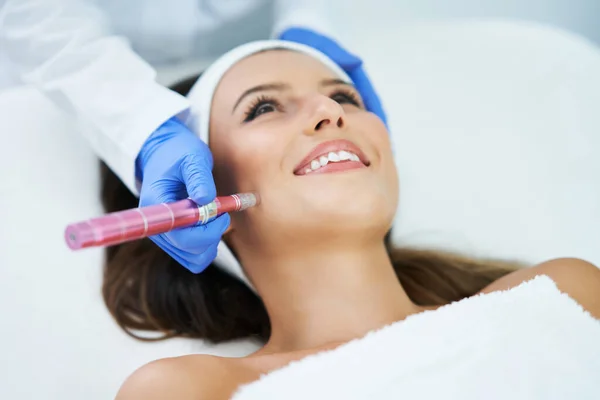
(530, 342)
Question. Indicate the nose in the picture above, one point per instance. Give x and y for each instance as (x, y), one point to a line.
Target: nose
(323, 112)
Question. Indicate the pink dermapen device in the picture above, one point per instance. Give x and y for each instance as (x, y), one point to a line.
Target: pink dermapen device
(138, 223)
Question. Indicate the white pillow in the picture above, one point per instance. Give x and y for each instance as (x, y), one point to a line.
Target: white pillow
(59, 339)
(496, 127)
(497, 133)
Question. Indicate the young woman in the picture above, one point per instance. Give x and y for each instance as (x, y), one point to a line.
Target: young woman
(284, 124)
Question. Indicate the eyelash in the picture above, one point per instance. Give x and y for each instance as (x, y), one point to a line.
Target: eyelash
(263, 100)
(348, 96)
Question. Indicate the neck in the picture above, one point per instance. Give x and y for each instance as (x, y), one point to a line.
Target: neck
(322, 297)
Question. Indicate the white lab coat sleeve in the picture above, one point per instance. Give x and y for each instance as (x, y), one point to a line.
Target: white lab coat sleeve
(65, 49)
(310, 14)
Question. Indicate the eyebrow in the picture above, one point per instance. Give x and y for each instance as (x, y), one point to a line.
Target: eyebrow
(280, 86)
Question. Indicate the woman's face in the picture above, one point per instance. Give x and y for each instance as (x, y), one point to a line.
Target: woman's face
(285, 126)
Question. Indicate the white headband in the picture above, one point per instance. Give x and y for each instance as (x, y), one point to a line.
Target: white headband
(198, 118)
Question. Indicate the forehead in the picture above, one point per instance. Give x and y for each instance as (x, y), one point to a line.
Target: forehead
(271, 66)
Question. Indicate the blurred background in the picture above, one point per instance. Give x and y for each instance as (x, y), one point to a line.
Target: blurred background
(354, 20)
(495, 108)
(580, 16)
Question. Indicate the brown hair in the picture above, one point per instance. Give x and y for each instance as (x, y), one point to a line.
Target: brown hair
(146, 290)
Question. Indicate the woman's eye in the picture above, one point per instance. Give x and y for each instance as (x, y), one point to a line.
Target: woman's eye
(263, 109)
(345, 98)
(260, 107)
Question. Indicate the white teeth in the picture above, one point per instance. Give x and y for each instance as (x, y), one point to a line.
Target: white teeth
(332, 156)
(344, 155)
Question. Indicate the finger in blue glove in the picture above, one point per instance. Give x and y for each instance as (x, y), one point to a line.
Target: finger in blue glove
(174, 164)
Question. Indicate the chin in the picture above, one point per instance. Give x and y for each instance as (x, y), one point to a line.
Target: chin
(359, 210)
(361, 203)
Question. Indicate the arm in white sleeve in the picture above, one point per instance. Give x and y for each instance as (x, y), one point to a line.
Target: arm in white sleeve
(66, 50)
(310, 14)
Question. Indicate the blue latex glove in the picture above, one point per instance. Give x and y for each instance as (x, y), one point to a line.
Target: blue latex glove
(174, 164)
(348, 62)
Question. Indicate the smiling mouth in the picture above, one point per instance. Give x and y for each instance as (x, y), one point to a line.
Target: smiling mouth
(331, 162)
(333, 156)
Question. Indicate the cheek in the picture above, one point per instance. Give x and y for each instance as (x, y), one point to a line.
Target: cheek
(388, 172)
(248, 160)
(387, 160)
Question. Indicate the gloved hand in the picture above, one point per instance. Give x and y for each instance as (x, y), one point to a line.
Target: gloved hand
(174, 164)
(348, 62)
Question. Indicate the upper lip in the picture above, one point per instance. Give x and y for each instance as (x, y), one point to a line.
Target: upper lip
(332, 145)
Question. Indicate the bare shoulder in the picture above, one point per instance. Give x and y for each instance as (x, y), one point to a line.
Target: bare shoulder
(573, 276)
(186, 377)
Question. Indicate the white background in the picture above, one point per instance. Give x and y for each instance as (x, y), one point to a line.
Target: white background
(581, 16)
